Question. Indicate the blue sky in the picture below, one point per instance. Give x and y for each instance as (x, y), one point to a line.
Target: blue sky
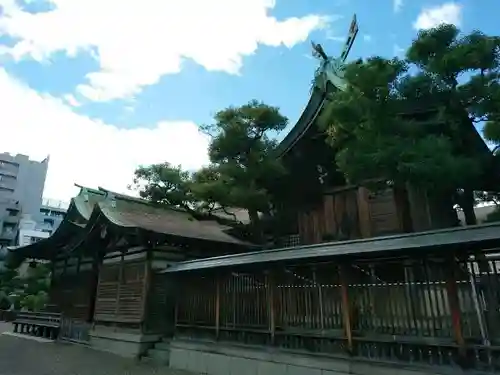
(103, 88)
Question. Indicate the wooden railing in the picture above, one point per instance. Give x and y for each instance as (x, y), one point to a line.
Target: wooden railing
(434, 311)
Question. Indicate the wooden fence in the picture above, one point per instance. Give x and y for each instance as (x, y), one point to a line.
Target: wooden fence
(435, 311)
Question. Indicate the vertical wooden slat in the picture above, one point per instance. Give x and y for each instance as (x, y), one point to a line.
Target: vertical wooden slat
(328, 212)
(452, 291)
(146, 287)
(346, 306)
(352, 212)
(320, 300)
(120, 282)
(271, 303)
(340, 210)
(217, 305)
(179, 298)
(364, 212)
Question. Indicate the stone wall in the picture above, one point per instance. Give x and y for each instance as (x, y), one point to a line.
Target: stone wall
(220, 359)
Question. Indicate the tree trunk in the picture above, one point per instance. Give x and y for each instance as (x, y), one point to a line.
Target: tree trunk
(467, 203)
(256, 226)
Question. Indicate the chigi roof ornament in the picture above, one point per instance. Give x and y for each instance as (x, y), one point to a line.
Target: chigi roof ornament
(332, 69)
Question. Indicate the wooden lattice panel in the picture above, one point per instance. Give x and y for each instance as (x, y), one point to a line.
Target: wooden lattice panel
(120, 295)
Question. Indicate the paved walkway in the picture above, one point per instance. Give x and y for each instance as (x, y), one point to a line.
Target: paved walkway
(21, 356)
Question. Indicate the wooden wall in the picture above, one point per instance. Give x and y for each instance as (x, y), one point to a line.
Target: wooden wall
(121, 292)
(72, 288)
(350, 214)
(160, 308)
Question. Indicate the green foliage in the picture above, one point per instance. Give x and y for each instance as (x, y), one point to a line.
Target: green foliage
(35, 302)
(242, 155)
(30, 291)
(371, 123)
(4, 301)
(243, 163)
(165, 184)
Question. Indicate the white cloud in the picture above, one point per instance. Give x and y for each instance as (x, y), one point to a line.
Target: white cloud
(434, 16)
(397, 5)
(71, 100)
(138, 41)
(87, 151)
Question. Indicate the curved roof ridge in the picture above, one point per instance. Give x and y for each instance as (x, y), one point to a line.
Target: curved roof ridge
(306, 119)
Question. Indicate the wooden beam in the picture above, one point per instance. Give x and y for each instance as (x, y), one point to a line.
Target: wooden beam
(346, 306)
(271, 302)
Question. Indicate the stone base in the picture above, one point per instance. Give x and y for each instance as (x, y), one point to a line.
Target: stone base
(221, 359)
(123, 342)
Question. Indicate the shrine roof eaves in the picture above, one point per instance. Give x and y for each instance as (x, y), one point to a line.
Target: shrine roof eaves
(306, 119)
(44, 248)
(132, 214)
(403, 244)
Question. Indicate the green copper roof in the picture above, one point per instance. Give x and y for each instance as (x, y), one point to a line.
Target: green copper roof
(102, 207)
(306, 119)
(86, 199)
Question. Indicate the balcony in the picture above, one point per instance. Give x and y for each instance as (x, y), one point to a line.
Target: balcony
(11, 219)
(8, 235)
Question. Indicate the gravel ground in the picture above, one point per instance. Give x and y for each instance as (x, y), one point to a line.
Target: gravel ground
(20, 356)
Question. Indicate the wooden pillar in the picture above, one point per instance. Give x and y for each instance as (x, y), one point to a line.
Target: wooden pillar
(271, 303)
(346, 305)
(489, 285)
(454, 303)
(177, 295)
(364, 212)
(119, 284)
(217, 305)
(94, 287)
(320, 300)
(145, 288)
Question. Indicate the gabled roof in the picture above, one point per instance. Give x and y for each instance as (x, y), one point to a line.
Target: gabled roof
(102, 207)
(142, 215)
(305, 121)
(84, 202)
